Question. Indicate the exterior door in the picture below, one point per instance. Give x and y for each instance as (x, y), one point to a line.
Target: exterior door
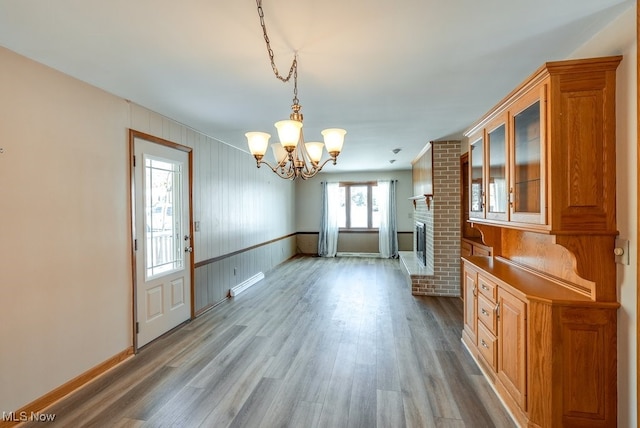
(162, 238)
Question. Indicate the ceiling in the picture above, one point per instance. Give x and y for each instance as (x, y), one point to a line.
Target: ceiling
(395, 74)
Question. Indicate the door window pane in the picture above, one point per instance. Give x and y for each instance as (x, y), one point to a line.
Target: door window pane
(163, 216)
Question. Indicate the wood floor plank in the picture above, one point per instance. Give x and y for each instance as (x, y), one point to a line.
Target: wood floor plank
(363, 403)
(257, 404)
(337, 342)
(473, 411)
(417, 409)
(305, 415)
(425, 341)
(128, 423)
(389, 409)
(241, 388)
(335, 410)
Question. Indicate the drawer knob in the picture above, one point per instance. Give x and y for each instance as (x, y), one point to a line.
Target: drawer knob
(484, 344)
(484, 312)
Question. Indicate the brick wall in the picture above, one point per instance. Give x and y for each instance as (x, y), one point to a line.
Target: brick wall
(442, 221)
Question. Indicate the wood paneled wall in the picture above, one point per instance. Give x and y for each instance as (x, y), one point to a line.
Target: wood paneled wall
(245, 216)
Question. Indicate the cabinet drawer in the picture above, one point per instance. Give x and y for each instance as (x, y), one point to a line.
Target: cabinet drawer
(488, 347)
(480, 251)
(466, 249)
(487, 288)
(487, 313)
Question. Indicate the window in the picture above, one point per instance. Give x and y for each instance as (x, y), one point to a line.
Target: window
(164, 250)
(359, 206)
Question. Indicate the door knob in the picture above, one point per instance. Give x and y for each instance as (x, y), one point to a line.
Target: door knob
(188, 249)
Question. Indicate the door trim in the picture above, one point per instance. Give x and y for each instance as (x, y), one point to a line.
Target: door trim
(637, 199)
(133, 134)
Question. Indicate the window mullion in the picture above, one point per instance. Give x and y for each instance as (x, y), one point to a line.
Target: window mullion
(369, 207)
(347, 204)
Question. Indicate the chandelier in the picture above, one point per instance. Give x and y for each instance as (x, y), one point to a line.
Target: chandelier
(293, 156)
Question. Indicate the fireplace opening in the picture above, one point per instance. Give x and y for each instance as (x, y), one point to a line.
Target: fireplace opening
(421, 243)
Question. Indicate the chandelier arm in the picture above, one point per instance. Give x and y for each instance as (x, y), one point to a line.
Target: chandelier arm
(272, 168)
(319, 167)
(285, 170)
(316, 169)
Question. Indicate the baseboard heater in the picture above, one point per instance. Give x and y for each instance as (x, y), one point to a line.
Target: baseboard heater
(246, 284)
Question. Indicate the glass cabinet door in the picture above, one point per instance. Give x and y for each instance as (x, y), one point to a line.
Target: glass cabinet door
(497, 192)
(527, 189)
(476, 178)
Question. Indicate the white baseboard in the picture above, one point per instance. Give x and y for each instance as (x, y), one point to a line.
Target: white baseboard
(246, 284)
(349, 254)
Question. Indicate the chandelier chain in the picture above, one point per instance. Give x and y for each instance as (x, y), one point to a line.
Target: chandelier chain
(294, 157)
(293, 71)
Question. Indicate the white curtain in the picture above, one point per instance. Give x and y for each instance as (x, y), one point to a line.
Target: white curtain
(388, 230)
(328, 237)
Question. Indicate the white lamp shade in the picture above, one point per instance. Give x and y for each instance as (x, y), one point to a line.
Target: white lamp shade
(334, 139)
(289, 132)
(258, 142)
(314, 149)
(278, 152)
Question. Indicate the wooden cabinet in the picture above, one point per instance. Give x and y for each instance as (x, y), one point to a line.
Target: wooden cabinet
(541, 307)
(496, 169)
(549, 351)
(474, 247)
(476, 175)
(544, 158)
(470, 295)
(526, 190)
(422, 172)
(512, 347)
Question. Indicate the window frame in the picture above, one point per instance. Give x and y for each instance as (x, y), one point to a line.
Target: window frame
(347, 208)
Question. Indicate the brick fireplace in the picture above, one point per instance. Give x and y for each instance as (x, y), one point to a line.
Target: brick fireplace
(439, 274)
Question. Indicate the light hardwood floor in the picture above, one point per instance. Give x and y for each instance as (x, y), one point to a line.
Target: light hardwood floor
(318, 343)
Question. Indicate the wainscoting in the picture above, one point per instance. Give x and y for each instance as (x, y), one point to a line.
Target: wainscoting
(214, 278)
(352, 242)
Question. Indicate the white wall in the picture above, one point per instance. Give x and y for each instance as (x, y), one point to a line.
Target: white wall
(65, 258)
(65, 254)
(620, 38)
